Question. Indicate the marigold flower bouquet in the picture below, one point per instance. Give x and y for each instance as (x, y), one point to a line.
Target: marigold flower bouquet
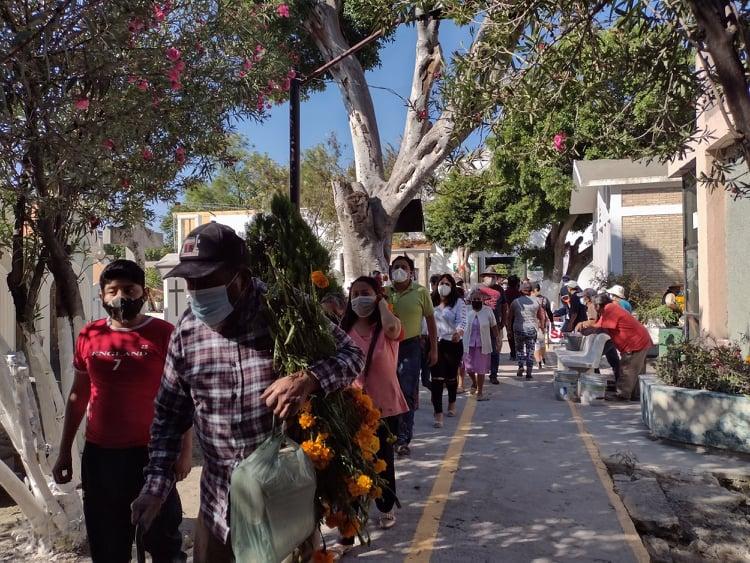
(337, 431)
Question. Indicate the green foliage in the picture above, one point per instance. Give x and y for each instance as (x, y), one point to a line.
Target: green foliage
(153, 279)
(705, 365)
(464, 214)
(115, 251)
(156, 254)
(638, 296)
(284, 253)
(654, 312)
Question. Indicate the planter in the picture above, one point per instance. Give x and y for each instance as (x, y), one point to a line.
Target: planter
(692, 416)
(668, 337)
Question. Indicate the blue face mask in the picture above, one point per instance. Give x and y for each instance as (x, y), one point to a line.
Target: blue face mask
(211, 305)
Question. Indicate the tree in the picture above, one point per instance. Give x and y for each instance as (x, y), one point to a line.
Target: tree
(462, 217)
(105, 107)
(251, 180)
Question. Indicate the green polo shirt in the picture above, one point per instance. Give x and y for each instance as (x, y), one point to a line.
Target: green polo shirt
(410, 306)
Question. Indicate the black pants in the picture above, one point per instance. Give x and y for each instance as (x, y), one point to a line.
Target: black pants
(386, 502)
(445, 372)
(112, 479)
(613, 358)
(512, 344)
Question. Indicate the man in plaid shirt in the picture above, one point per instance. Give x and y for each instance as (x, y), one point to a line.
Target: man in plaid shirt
(219, 377)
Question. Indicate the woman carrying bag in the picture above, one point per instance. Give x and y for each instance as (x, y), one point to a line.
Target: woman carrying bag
(377, 331)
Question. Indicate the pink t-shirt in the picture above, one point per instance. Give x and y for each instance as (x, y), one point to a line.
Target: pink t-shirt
(381, 382)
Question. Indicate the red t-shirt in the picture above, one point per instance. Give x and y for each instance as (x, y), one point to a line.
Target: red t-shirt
(125, 367)
(624, 329)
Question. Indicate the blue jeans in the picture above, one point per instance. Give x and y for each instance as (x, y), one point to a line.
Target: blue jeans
(409, 369)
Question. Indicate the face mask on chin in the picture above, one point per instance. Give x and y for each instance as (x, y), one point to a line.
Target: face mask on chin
(124, 309)
(211, 305)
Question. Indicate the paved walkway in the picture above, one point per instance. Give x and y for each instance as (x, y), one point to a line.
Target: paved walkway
(518, 478)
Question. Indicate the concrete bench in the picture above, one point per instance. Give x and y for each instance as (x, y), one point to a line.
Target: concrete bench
(587, 360)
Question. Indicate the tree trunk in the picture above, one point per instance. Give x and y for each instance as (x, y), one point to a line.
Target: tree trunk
(464, 270)
(578, 259)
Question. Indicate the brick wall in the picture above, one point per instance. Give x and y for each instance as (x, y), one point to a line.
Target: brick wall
(652, 250)
(662, 196)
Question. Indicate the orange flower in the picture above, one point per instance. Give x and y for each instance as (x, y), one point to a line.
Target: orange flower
(380, 466)
(376, 492)
(317, 451)
(359, 486)
(321, 556)
(349, 528)
(306, 420)
(335, 520)
(319, 279)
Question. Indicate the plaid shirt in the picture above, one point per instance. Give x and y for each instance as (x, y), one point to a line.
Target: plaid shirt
(214, 382)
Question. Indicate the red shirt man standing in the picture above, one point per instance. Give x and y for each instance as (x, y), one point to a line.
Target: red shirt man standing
(118, 364)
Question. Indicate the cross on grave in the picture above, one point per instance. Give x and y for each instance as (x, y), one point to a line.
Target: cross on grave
(175, 291)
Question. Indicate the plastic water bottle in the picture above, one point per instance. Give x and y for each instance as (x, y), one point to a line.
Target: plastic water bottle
(564, 393)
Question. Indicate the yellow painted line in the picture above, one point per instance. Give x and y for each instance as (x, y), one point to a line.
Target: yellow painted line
(427, 529)
(631, 534)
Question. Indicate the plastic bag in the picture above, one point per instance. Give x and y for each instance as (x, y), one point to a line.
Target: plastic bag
(272, 501)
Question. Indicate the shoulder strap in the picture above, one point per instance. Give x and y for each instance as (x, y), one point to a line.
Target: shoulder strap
(371, 349)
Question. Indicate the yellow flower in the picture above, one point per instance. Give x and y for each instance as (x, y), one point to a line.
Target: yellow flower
(359, 486)
(319, 279)
(376, 492)
(306, 420)
(380, 466)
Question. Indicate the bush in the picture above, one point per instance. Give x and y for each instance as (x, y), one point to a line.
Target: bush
(701, 364)
(653, 311)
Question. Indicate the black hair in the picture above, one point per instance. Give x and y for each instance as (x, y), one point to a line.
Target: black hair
(514, 281)
(406, 259)
(122, 270)
(536, 286)
(602, 299)
(375, 273)
(350, 317)
(452, 296)
(435, 278)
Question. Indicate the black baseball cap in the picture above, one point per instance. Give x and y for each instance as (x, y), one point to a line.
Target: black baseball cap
(207, 249)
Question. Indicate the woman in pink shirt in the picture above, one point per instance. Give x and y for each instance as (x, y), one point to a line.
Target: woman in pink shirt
(377, 331)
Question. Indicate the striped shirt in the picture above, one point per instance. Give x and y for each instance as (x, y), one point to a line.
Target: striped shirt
(214, 382)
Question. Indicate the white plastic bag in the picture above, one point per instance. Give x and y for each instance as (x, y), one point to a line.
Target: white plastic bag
(272, 501)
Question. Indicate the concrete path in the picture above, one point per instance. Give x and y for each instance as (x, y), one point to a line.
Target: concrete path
(525, 488)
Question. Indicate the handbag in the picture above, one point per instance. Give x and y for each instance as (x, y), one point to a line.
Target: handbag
(272, 494)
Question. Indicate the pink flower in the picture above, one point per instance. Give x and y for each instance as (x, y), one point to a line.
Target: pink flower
(135, 25)
(82, 104)
(155, 101)
(286, 84)
(179, 156)
(247, 64)
(159, 14)
(142, 84)
(559, 141)
(108, 144)
(147, 154)
(173, 74)
(173, 54)
(180, 66)
(175, 85)
(283, 11)
(125, 183)
(242, 74)
(261, 103)
(292, 74)
(422, 115)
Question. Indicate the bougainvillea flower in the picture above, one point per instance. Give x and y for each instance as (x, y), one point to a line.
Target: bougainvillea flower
(559, 141)
(283, 11)
(147, 154)
(135, 25)
(142, 84)
(108, 144)
(175, 85)
(82, 104)
(173, 54)
(247, 64)
(179, 156)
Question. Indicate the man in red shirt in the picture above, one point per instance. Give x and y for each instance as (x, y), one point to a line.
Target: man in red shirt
(630, 337)
(118, 364)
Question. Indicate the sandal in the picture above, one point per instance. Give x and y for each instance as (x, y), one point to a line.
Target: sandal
(473, 390)
(437, 424)
(482, 397)
(387, 520)
(339, 550)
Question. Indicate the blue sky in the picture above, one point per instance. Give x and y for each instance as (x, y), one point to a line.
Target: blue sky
(324, 113)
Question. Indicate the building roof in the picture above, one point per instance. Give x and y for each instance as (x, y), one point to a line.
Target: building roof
(590, 175)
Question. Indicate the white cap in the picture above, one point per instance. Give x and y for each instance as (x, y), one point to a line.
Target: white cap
(572, 284)
(617, 291)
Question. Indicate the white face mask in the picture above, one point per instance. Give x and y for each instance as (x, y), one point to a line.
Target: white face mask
(399, 276)
(363, 306)
(211, 305)
(444, 290)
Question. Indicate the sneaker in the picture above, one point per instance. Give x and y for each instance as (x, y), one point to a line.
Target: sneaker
(387, 520)
(519, 373)
(451, 413)
(528, 376)
(437, 424)
(403, 449)
(494, 381)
